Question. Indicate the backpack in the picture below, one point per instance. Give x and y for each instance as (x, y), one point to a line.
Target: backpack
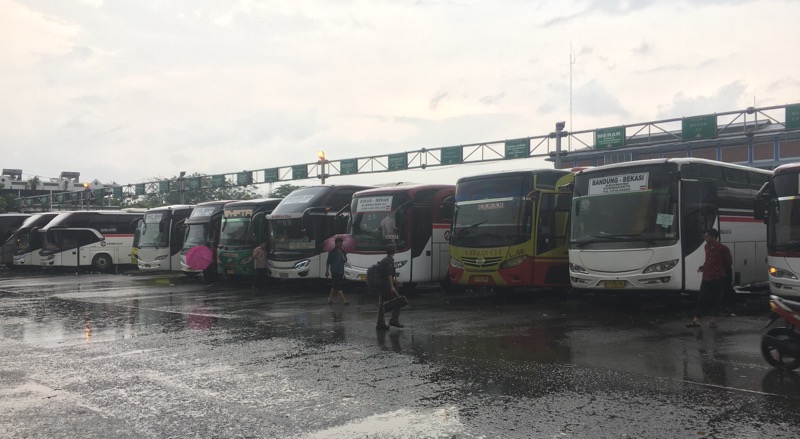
(374, 278)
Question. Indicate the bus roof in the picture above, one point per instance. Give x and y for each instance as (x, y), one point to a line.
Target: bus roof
(410, 189)
(512, 173)
(171, 207)
(678, 161)
(254, 202)
(789, 168)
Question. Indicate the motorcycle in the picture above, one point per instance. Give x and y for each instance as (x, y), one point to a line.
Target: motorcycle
(780, 346)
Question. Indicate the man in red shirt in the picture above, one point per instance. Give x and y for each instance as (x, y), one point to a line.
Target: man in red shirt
(718, 259)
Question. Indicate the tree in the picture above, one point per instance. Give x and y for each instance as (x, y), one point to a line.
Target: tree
(33, 182)
(283, 190)
(230, 191)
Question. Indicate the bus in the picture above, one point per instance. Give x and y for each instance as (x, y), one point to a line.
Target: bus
(415, 218)
(159, 238)
(202, 228)
(97, 239)
(778, 204)
(299, 226)
(9, 222)
(639, 225)
(244, 226)
(22, 247)
(510, 230)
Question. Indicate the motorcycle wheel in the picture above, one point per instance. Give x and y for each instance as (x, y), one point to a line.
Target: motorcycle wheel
(787, 355)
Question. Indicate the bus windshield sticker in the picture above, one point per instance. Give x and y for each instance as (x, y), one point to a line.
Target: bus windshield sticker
(202, 211)
(374, 204)
(241, 213)
(664, 220)
(615, 184)
(297, 199)
(152, 218)
(490, 206)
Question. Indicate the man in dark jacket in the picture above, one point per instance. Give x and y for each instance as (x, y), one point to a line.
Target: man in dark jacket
(718, 260)
(387, 291)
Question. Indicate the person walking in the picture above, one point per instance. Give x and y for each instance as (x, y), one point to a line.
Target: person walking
(718, 259)
(387, 290)
(334, 267)
(260, 264)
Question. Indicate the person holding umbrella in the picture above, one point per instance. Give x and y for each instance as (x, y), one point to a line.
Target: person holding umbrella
(334, 267)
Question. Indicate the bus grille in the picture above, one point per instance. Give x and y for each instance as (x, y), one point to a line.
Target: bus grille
(481, 262)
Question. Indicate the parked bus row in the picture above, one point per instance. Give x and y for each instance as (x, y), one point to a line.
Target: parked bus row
(631, 226)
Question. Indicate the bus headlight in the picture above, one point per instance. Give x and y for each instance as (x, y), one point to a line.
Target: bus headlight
(246, 260)
(302, 264)
(399, 264)
(158, 258)
(777, 272)
(661, 267)
(575, 268)
(456, 263)
(513, 262)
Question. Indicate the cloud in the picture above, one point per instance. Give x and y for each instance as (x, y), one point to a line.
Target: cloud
(490, 100)
(433, 104)
(643, 49)
(728, 96)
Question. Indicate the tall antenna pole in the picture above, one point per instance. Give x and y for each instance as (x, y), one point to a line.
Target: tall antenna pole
(571, 62)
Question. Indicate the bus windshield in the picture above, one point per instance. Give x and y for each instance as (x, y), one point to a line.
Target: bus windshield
(617, 207)
(784, 225)
(290, 235)
(196, 235)
(152, 231)
(379, 220)
(235, 232)
(490, 223)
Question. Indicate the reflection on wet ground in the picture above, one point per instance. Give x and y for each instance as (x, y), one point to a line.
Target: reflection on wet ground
(471, 363)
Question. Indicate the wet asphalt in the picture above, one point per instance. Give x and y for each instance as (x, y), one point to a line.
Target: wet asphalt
(149, 356)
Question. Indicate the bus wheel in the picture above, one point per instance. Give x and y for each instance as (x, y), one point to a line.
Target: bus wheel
(102, 262)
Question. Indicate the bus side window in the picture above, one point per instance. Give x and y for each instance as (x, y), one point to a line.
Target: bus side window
(699, 212)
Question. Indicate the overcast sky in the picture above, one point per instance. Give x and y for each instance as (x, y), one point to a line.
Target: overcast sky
(131, 91)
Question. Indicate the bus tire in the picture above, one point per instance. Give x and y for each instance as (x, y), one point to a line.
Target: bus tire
(102, 262)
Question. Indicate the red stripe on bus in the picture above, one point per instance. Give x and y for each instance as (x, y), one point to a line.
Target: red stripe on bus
(441, 226)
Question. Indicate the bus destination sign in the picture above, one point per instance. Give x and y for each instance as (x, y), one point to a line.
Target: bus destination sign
(615, 184)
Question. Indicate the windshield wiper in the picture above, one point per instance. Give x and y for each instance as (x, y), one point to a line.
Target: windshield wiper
(465, 230)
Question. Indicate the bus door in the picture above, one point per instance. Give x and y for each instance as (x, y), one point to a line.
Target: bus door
(443, 208)
(699, 212)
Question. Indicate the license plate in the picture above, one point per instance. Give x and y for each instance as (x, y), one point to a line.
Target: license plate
(283, 275)
(230, 272)
(480, 279)
(362, 277)
(614, 284)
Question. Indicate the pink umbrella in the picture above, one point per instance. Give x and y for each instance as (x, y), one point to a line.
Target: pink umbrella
(199, 257)
(349, 244)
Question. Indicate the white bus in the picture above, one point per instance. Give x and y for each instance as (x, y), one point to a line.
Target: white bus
(779, 206)
(299, 226)
(25, 243)
(97, 239)
(415, 218)
(639, 226)
(160, 237)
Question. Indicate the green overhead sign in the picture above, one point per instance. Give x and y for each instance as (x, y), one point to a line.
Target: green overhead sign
(299, 172)
(194, 182)
(699, 127)
(605, 138)
(163, 187)
(244, 178)
(117, 192)
(452, 155)
(218, 180)
(139, 189)
(518, 149)
(348, 166)
(398, 162)
(793, 117)
(271, 175)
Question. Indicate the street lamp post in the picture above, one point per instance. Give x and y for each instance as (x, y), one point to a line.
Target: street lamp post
(322, 162)
(182, 188)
